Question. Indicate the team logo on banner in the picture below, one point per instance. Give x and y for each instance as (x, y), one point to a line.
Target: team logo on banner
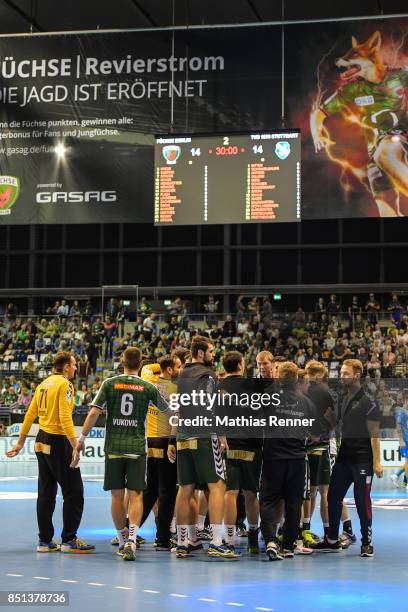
(171, 153)
(282, 149)
(9, 192)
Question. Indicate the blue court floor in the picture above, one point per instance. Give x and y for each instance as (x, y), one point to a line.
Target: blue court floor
(159, 581)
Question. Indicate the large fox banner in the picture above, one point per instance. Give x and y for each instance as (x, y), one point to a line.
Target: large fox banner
(78, 114)
(348, 92)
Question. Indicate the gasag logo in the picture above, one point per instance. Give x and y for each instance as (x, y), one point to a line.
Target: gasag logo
(72, 197)
(9, 192)
(282, 149)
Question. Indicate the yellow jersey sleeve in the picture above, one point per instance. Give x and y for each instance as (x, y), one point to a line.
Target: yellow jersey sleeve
(66, 404)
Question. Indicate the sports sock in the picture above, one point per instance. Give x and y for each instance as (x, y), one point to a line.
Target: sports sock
(182, 535)
(173, 524)
(216, 534)
(306, 524)
(192, 533)
(326, 528)
(200, 522)
(347, 526)
(121, 533)
(229, 534)
(252, 527)
(133, 533)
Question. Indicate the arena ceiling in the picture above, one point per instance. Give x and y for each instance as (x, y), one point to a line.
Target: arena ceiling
(19, 16)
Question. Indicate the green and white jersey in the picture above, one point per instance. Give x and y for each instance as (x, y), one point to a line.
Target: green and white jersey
(126, 400)
(380, 107)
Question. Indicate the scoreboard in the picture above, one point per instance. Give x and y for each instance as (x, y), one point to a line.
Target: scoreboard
(227, 178)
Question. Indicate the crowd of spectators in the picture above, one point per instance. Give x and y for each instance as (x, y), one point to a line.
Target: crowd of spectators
(329, 334)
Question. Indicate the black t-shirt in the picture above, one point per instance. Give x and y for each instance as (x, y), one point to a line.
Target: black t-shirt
(355, 308)
(322, 401)
(333, 307)
(246, 435)
(195, 378)
(289, 442)
(356, 440)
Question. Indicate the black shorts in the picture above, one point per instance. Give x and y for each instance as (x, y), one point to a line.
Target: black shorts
(320, 468)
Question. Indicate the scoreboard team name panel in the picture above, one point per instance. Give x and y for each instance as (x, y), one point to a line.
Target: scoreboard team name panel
(231, 178)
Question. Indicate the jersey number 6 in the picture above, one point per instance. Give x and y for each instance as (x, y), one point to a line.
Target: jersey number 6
(126, 404)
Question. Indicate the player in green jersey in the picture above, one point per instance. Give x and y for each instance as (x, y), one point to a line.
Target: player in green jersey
(126, 399)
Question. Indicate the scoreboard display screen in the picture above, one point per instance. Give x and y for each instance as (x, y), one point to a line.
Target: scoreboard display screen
(227, 178)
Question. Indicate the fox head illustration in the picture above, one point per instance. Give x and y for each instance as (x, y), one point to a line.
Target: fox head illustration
(5, 197)
(363, 60)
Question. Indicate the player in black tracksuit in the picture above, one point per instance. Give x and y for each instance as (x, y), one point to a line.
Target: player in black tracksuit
(284, 471)
(357, 461)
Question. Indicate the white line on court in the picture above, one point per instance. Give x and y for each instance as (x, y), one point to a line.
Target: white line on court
(124, 588)
(206, 599)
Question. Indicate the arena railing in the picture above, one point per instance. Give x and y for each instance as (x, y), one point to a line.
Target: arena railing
(163, 315)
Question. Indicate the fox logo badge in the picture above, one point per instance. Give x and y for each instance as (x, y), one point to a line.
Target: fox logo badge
(9, 192)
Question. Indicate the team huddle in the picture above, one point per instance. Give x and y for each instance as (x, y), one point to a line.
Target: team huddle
(194, 482)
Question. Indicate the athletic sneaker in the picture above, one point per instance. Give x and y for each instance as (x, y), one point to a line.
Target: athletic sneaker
(344, 540)
(129, 551)
(119, 552)
(162, 546)
(204, 534)
(195, 546)
(367, 550)
(301, 549)
(288, 554)
(182, 551)
(77, 546)
(350, 536)
(253, 543)
(395, 480)
(327, 547)
(115, 541)
(50, 547)
(273, 552)
(309, 539)
(241, 531)
(220, 551)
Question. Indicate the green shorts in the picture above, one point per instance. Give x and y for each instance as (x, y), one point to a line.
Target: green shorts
(243, 470)
(319, 468)
(199, 462)
(125, 473)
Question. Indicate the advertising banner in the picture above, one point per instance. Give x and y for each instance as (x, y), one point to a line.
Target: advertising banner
(78, 114)
(390, 457)
(347, 90)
